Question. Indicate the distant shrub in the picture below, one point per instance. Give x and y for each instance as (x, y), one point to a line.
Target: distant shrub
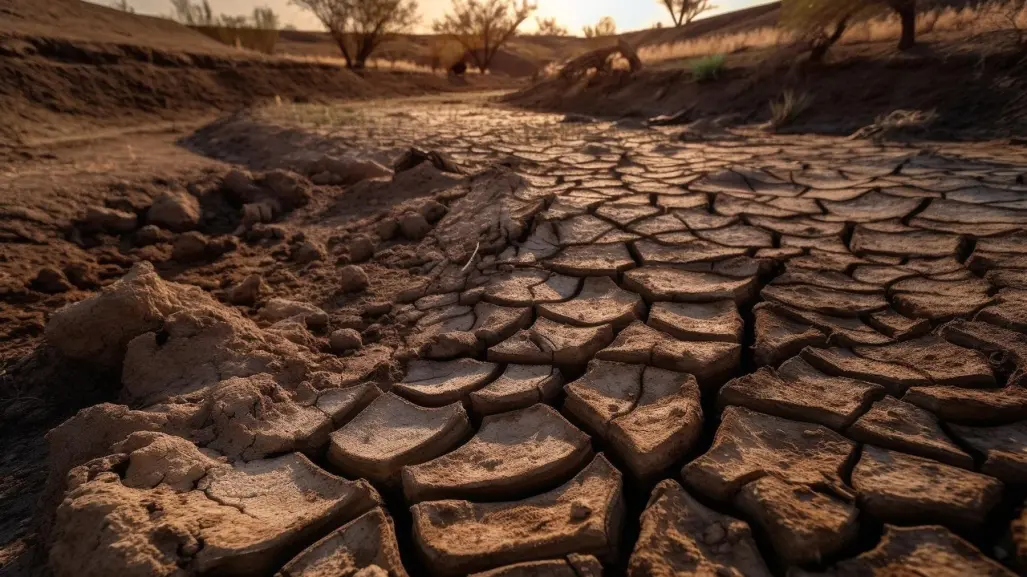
(707, 68)
(790, 106)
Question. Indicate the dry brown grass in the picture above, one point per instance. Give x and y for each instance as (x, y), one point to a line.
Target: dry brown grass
(257, 39)
(991, 16)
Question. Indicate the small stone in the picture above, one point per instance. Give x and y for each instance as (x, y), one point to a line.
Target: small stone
(102, 219)
(289, 189)
(387, 228)
(714, 534)
(377, 308)
(432, 211)
(240, 184)
(308, 252)
(222, 245)
(360, 249)
(175, 211)
(151, 234)
(414, 226)
(189, 247)
(51, 281)
(344, 340)
(352, 278)
(248, 291)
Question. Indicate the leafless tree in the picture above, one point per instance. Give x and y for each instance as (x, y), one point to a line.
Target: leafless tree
(199, 14)
(605, 27)
(684, 11)
(549, 27)
(359, 27)
(482, 27)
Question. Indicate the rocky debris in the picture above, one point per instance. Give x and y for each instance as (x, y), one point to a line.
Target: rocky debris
(711, 362)
(800, 392)
(677, 285)
(519, 386)
(573, 566)
(779, 337)
(151, 234)
(248, 292)
(352, 279)
(369, 541)
(512, 454)
(345, 171)
(548, 343)
(804, 525)
(190, 247)
(176, 211)
(679, 536)
(344, 340)
(750, 445)
(414, 226)
(435, 384)
(279, 309)
(1004, 449)
(360, 249)
(392, 433)
(900, 426)
(715, 321)
(160, 505)
(51, 281)
(600, 302)
(107, 220)
(97, 330)
(307, 252)
(904, 489)
(650, 417)
(581, 516)
(929, 550)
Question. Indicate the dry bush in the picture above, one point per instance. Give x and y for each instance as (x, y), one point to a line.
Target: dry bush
(248, 38)
(359, 27)
(549, 27)
(684, 11)
(788, 107)
(482, 27)
(606, 26)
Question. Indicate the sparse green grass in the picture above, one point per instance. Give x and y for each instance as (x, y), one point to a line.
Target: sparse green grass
(788, 107)
(707, 68)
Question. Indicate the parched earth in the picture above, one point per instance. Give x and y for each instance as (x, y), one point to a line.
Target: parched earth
(602, 347)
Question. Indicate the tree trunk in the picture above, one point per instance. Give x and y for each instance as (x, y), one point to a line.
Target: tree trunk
(907, 13)
(340, 39)
(822, 45)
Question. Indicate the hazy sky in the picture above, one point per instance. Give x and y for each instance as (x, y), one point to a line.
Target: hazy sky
(629, 14)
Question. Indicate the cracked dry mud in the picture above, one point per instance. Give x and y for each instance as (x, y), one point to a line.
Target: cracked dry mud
(627, 353)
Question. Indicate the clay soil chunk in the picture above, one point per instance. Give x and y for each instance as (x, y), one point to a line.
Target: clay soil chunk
(825, 301)
(527, 287)
(709, 361)
(243, 519)
(549, 342)
(905, 489)
(392, 432)
(675, 250)
(869, 207)
(671, 284)
(367, 541)
(917, 243)
(900, 426)
(593, 260)
(843, 362)
(582, 516)
(650, 416)
(750, 445)
(600, 302)
(716, 321)
(494, 324)
(436, 384)
(573, 566)
(800, 392)
(1004, 449)
(972, 406)
(929, 550)
(519, 386)
(779, 338)
(803, 525)
(680, 536)
(513, 453)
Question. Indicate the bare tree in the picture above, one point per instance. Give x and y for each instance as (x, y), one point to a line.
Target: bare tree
(359, 27)
(606, 26)
(549, 27)
(199, 14)
(482, 27)
(823, 22)
(265, 18)
(684, 11)
(906, 10)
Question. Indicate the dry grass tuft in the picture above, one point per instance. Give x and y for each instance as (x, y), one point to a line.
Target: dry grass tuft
(789, 107)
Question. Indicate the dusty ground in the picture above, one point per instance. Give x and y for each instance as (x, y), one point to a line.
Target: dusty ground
(790, 351)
